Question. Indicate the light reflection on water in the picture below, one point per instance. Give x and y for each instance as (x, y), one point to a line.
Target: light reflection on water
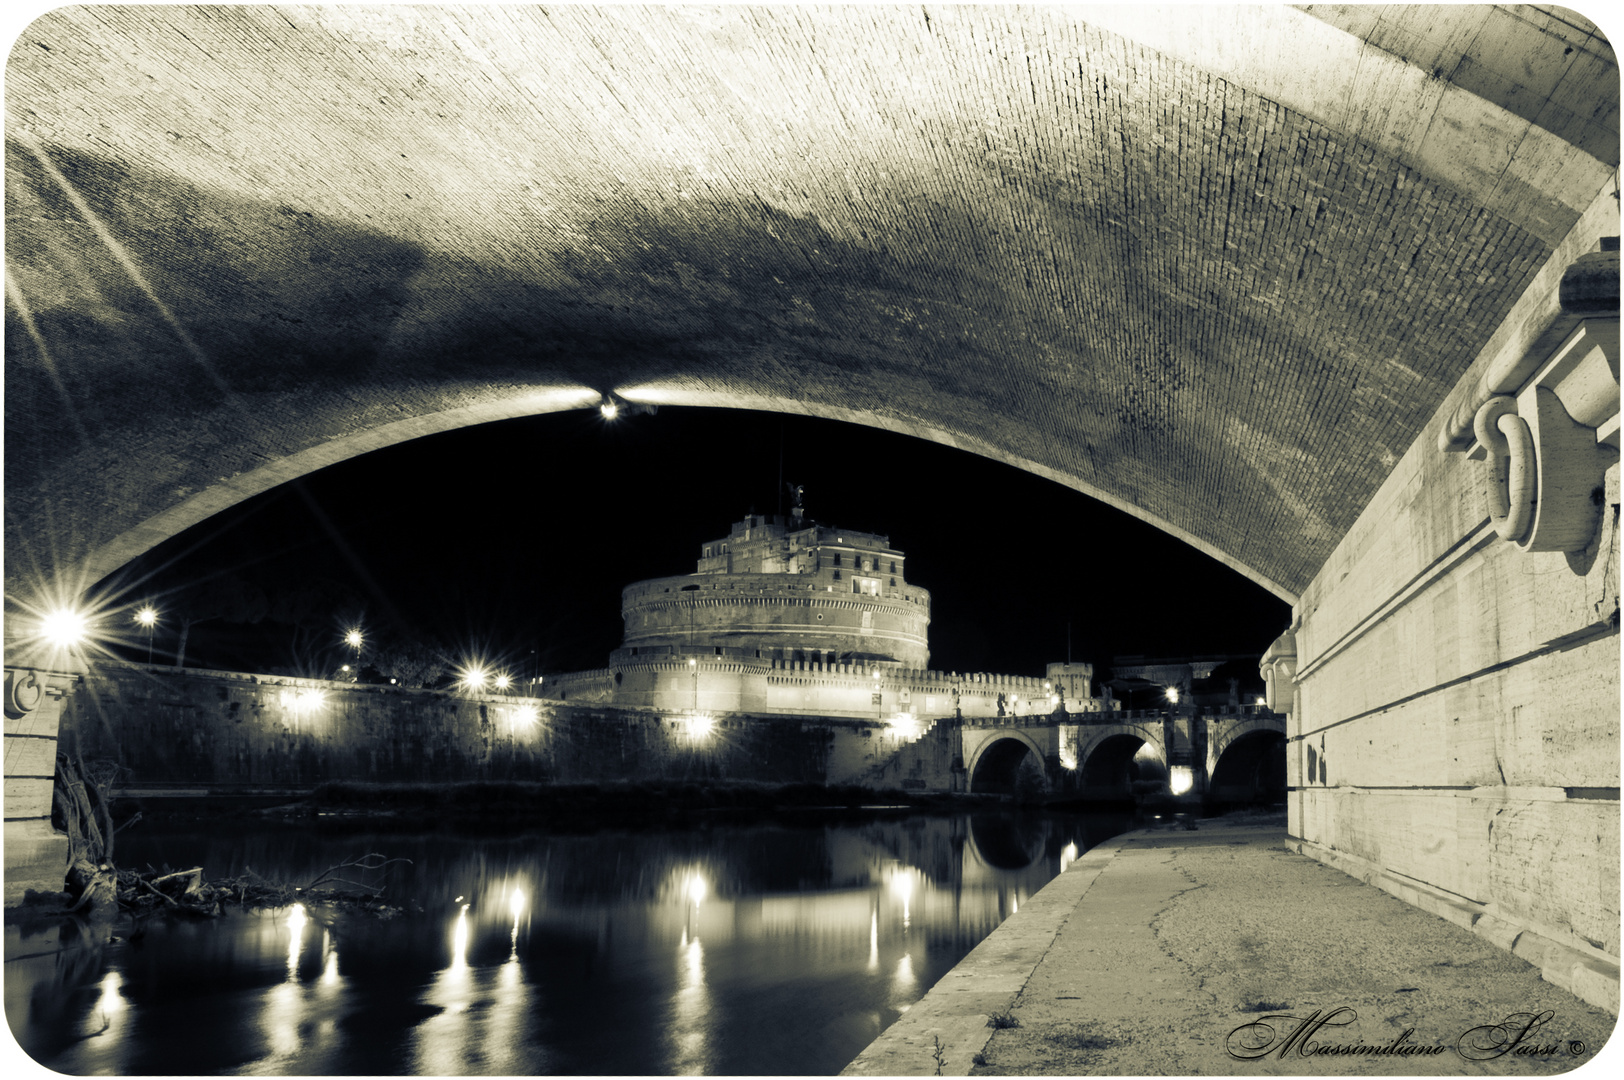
(726, 950)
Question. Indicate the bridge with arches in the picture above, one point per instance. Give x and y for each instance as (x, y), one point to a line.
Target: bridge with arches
(1233, 754)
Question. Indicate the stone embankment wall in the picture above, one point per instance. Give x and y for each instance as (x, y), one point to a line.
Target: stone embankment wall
(1454, 691)
(220, 731)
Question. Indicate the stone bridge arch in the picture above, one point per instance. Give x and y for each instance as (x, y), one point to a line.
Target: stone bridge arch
(184, 332)
(995, 756)
(1246, 760)
(1105, 754)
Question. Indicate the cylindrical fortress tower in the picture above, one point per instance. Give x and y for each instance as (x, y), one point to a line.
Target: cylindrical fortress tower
(776, 589)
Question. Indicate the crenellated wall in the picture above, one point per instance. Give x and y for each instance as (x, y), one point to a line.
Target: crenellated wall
(1453, 670)
(730, 680)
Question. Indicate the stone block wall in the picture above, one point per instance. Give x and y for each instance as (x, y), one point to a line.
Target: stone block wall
(219, 731)
(1455, 735)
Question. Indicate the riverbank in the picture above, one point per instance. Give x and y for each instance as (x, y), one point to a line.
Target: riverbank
(1176, 951)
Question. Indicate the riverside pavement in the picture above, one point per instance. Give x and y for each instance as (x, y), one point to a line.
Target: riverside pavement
(1174, 952)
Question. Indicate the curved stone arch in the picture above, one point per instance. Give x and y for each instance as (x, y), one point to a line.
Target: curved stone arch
(1004, 735)
(1229, 735)
(113, 553)
(1148, 731)
(1244, 755)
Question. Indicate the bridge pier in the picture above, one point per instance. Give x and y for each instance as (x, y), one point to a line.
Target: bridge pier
(36, 854)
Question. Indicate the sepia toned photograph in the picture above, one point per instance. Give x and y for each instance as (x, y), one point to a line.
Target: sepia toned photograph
(810, 540)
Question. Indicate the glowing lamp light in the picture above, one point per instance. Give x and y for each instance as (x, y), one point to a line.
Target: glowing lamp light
(609, 408)
(525, 716)
(503, 682)
(903, 726)
(353, 639)
(1261, 700)
(696, 889)
(1173, 694)
(699, 727)
(516, 901)
(303, 702)
(474, 678)
(65, 627)
(147, 617)
(1181, 780)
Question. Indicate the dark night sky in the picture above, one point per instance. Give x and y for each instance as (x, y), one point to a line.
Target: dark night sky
(519, 536)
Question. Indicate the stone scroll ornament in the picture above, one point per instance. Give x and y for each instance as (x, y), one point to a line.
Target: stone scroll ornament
(1279, 670)
(22, 694)
(1545, 471)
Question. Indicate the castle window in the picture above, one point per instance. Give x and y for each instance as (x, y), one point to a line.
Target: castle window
(837, 563)
(837, 576)
(893, 583)
(893, 567)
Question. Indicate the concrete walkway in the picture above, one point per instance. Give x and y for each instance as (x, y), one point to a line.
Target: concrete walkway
(1148, 954)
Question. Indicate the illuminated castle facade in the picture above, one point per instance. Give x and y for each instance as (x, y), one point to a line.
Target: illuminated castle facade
(787, 616)
(773, 589)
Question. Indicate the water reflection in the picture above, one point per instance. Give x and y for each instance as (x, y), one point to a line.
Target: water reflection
(748, 950)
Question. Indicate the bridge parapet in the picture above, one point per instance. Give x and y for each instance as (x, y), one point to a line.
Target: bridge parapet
(1219, 714)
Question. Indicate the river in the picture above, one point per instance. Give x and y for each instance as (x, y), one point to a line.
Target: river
(722, 949)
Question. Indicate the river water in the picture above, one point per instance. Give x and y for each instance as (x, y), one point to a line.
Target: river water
(726, 949)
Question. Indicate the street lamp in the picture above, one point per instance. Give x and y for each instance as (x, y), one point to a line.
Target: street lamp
(693, 666)
(147, 618)
(65, 627)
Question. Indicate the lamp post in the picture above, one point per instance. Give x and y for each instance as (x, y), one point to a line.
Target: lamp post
(147, 617)
(693, 666)
(354, 640)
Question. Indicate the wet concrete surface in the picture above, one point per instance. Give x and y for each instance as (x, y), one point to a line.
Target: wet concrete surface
(1219, 951)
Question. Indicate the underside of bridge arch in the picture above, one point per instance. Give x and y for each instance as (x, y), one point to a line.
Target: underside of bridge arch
(1115, 764)
(1252, 769)
(1127, 250)
(1009, 766)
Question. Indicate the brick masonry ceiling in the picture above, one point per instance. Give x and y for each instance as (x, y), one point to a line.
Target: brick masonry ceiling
(1215, 268)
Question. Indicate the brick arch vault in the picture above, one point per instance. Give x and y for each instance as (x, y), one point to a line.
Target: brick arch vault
(1330, 292)
(1223, 297)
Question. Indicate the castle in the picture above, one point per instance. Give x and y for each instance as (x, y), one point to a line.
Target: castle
(786, 616)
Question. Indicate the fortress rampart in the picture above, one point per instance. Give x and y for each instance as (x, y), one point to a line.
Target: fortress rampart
(671, 679)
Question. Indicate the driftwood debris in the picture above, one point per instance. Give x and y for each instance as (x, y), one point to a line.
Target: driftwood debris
(82, 794)
(83, 799)
(186, 891)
